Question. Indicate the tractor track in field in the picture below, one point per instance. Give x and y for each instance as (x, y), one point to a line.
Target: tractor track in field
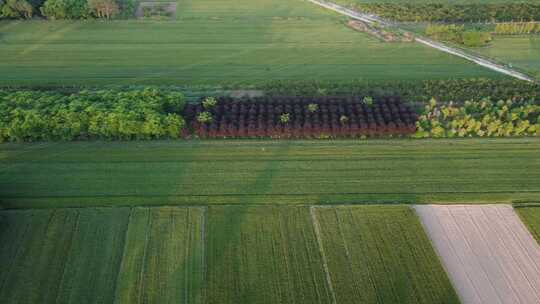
(317, 229)
(374, 19)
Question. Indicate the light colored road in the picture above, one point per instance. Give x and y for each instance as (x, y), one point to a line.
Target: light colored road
(488, 253)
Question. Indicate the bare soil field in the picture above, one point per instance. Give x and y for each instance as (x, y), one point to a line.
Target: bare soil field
(488, 253)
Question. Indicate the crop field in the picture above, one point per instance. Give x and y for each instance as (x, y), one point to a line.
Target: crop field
(531, 217)
(187, 172)
(381, 255)
(264, 255)
(106, 255)
(269, 172)
(488, 253)
(218, 254)
(66, 255)
(163, 259)
(520, 51)
(214, 42)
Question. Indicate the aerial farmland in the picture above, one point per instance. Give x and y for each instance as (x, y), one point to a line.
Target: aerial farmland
(270, 151)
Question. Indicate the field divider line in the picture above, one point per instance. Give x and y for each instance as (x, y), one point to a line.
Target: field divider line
(317, 228)
(204, 262)
(374, 19)
(145, 251)
(121, 262)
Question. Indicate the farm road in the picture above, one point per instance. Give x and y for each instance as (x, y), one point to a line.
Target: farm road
(487, 252)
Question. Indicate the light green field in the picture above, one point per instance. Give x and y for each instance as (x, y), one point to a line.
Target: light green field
(381, 255)
(214, 42)
(109, 255)
(520, 51)
(531, 218)
(269, 172)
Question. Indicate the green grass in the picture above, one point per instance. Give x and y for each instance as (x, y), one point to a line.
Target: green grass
(531, 217)
(520, 51)
(263, 255)
(381, 255)
(237, 42)
(87, 256)
(268, 172)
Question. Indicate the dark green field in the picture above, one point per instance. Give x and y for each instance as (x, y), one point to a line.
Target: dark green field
(531, 217)
(268, 172)
(216, 254)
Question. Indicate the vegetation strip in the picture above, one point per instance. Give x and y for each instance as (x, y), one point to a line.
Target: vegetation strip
(269, 172)
(489, 254)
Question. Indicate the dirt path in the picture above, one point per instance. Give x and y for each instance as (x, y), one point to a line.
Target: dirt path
(487, 252)
(371, 19)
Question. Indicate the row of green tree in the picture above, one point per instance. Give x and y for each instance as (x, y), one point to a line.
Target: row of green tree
(457, 34)
(413, 91)
(108, 114)
(66, 9)
(517, 28)
(448, 12)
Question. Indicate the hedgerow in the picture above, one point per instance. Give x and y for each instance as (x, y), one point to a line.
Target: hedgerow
(413, 91)
(357, 109)
(107, 114)
(485, 118)
(497, 12)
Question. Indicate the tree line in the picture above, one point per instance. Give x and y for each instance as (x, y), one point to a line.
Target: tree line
(439, 12)
(105, 114)
(66, 9)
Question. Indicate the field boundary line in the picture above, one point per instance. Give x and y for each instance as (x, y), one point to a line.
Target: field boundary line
(317, 229)
(143, 263)
(121, 263)
(204, 261)
(371, 19)
(262, 194)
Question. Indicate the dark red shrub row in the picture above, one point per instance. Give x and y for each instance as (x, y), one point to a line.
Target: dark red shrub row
(334, 117)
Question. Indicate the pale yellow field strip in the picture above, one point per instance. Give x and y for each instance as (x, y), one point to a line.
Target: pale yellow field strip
(489, 254)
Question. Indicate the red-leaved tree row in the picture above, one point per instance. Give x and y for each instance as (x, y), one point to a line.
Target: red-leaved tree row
(300, 117)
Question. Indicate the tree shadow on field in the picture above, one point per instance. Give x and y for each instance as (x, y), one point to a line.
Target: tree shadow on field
(222, 239)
